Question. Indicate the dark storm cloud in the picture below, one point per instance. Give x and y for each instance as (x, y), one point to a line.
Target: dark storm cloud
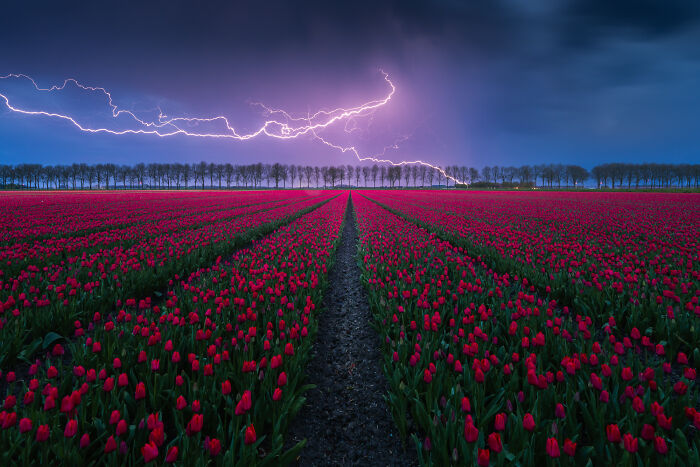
(641, 17)
(505, 78)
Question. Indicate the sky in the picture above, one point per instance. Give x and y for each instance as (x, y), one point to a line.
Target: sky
(498, 82)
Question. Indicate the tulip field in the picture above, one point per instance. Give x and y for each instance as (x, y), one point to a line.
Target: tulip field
(175, 327)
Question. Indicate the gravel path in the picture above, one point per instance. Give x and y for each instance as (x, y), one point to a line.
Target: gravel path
(345, 418)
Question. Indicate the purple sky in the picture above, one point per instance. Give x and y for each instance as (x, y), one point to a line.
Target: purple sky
(478, 83)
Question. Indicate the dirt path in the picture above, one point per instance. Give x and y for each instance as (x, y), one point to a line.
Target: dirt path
(345, 418)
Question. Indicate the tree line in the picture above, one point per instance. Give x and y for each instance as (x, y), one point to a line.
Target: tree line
(203, 174)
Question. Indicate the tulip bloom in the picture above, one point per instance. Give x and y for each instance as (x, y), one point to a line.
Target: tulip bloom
(25, 425)
(149, 451)
(630, 442)
(42, 433)
(494, 442)
(613, 433)
(528, 422)
(471, 433)
(552, 447)
(660, 445)
(569, 447)
(559, 411)
(111, 445)
(71, 429)
(250, 436)
(195, 424)
(172, 455)
(500, 422)
(181, 403)
(140, 391)
(214, 447)
(483, 457)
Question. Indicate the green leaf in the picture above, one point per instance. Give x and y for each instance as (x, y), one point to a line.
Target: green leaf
(50, 339)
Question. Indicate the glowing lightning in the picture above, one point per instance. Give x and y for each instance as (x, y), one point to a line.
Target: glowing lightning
(286, 127)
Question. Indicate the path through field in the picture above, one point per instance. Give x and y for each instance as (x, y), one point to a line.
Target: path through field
(345, 418)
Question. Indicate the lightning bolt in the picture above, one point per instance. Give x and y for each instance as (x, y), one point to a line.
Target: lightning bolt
(279, 124)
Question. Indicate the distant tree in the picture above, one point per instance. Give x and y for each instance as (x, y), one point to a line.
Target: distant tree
(317, 174)
(325, 172)
(300, 174)
(308, 173)
(486, 173)
(292, 173)
(365, 174)
(341, 174)
(431, 175)
(375, 172)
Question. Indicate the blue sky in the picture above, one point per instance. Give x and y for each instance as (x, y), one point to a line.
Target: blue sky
(505, 82)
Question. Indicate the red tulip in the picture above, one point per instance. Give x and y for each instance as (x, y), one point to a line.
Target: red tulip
(569, 447)
(122, 380)
(71, 429)
(627, 374)
(111, 445)
(483, 457)
(494, 442)
(10, 402)
(289, 349)
(108, 385)
(552, 447)
(181, 403)
(613, 432)
(42, 433)
(140, 391)
(195, 424)
(214, 447)
(528, 422)
(660, 445)
(244, 404)
(559, 411)
(250, 435)
(149, 452)
(172, 455)
(500, 422)
(648, 432)
(121, 427)
(471, 433)
(630, 442)
(25, 425)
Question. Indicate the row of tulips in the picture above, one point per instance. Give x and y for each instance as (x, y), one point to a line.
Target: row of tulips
(28, 216)
(16, 257)
(208, 376)
(634, 258)
(493, 373)
(52, 297)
